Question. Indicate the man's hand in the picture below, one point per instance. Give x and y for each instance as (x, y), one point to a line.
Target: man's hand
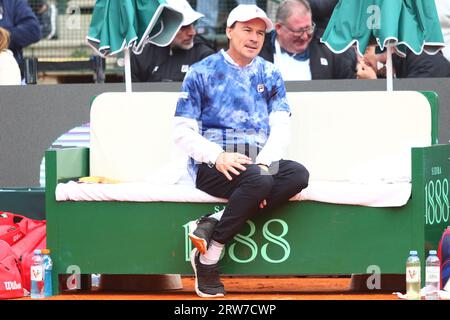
(231, 162)
(265, 168)
(263, 204)
(364, 71)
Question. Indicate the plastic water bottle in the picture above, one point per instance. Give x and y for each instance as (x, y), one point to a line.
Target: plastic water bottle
(432, 276)
(48, 266)
(413, 276)
(95, 281)
(37, 275)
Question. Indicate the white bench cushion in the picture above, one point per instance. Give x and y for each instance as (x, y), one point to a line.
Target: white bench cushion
(358, 136)
(371, 195)
(131, 136)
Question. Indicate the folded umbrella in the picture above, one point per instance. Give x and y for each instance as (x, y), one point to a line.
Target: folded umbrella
(392, 24)
(398, 23)
(123, 25)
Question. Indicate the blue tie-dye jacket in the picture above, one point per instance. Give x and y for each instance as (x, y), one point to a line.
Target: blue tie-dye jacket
(232, 103)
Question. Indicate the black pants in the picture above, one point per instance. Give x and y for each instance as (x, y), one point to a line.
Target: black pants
(246, 191)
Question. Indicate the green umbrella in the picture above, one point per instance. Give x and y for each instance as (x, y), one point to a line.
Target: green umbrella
(121, 25)
(391, 24)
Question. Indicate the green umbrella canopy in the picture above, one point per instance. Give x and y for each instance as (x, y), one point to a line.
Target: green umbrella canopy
(402, 24)
(120, 24)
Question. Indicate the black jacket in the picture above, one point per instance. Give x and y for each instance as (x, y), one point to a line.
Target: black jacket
(321, 13)
(22, 24)
(421, 66)
(156, 64)
(340, 66)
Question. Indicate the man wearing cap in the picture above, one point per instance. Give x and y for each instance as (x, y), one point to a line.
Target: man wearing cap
(232, 119)
(156, 64)
(295, 48)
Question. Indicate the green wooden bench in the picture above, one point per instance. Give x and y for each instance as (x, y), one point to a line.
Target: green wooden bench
(302, 238)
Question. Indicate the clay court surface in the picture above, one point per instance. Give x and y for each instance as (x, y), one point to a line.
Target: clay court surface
(246, 288)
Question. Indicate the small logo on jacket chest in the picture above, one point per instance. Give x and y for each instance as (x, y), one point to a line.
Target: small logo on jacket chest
(184, 68)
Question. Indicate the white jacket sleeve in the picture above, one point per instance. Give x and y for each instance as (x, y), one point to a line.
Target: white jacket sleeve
(278, 140)
(187, 137)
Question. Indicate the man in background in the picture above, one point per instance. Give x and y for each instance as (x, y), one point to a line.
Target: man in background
(46, 14)
(171, 63)
(297, 51)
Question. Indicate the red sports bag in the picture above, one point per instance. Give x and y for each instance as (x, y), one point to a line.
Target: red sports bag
(23, 223)
(35, 239)
(10, 234)
(25, 235)
(444, 256)
(9, 230)
(10, 276)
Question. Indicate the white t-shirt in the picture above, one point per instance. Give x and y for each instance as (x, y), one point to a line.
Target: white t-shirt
(9, 69)
(290, 68)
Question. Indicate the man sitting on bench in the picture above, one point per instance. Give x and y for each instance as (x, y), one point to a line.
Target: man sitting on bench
(240, 101)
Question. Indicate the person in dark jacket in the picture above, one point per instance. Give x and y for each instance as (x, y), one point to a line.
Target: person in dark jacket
(17, 17)
(423, 65)
(295, 49)
(156, 64)
(46, 14)
(321, 14)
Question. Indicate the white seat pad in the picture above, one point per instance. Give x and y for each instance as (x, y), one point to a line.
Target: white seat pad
(378, 194)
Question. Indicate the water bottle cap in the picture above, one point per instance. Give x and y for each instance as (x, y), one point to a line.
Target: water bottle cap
(37, 251)
(433, 252)
(413, 252)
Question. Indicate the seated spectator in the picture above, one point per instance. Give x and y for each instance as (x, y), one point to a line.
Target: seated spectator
(421, 66)
(411, 66)
(9, 70)
(370, 66)
(46, 15)
(297, 51)
(443, 10)
(172, 62)
(17, 17)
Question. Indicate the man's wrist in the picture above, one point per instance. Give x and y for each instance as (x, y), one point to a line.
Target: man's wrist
(213, 164)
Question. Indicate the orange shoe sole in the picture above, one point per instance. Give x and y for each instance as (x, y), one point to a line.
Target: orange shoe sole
(199, 243)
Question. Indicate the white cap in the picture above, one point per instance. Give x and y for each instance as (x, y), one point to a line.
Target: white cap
(246, 12)
(189, 14)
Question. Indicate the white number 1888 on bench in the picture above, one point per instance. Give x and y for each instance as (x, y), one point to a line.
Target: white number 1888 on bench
(246, 240)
